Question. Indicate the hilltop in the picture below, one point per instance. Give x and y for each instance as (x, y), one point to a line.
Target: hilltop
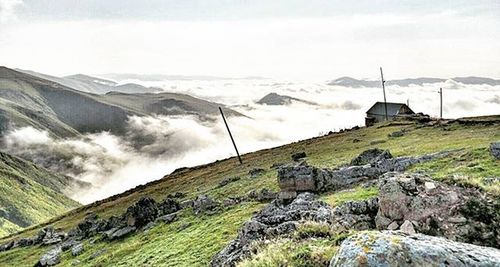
(194, 214)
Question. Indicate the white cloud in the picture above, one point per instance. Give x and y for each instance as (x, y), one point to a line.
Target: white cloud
(8, 9)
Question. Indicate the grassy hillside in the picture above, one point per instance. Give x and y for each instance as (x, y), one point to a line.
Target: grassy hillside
(192, 240)
(29, 194)
(27, 100)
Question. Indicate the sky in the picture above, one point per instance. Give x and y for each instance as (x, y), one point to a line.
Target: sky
(285, 39)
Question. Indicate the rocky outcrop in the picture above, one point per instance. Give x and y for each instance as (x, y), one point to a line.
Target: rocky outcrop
(304, 178)
(51, 258)
(205, 204)
(495, 150)
(415, 202)
(389, 248)
(276, 219)
(298, 156)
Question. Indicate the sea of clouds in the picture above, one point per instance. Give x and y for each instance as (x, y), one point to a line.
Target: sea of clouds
(154, 146)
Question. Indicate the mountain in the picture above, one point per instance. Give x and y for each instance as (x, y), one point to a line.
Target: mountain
(30, 194)
(27, 100)
(205, 214)
(355, 83)
(93, 85)
(162, 77)
(276, 99)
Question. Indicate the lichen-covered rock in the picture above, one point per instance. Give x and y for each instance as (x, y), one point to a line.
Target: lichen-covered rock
(277, 218)
(119, 233)
(390, 248)
(77, 249)
(495, 150)
(434, 208)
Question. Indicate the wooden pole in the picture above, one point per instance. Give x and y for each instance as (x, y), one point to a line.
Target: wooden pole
(441, 103)
(230, 135)
(383, 89)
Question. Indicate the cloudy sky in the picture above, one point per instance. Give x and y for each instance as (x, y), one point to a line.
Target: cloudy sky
(310, 39)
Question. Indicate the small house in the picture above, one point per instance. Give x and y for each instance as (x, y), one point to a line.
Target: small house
(394, 110)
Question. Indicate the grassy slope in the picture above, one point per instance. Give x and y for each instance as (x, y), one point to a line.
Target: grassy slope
(168, 245)
(29, 194)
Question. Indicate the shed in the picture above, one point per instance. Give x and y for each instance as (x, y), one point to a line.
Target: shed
(377, 112)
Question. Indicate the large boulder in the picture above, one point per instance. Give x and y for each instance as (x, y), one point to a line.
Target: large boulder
(495, 150)
(436, 208)
(144, 211)
(167, 206)
(391, 248)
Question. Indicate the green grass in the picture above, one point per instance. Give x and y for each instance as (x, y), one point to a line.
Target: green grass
(29, 194)
(167, 245)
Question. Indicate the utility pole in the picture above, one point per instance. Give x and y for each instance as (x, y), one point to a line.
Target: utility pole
(230, 135)
(383, 89)
(408, 102)
(440, 103)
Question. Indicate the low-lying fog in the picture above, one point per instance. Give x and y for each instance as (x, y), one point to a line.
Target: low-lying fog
(114, 164)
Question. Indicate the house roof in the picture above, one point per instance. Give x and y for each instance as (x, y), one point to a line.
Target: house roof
(392, 108)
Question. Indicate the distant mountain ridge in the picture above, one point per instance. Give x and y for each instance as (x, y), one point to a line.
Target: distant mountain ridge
(275, 99)
(356, 83)
(94, 85)
(27, 100)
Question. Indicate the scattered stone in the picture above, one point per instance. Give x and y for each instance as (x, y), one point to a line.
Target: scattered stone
(98, 253)
(226, 181)
(231, 201)
(141, 213)
(396, 134)
(265, 194)
(256, 172)
(277, 165)
(390, 248)
(491, 180)
(176, 195)
(376, 142)
(204, 204)
(298, 156)
(356, 140)
(69, 244)
(370, 155)
(51, 258)
(77, 250)
(407, 228)
(495, 150)
(429, 186)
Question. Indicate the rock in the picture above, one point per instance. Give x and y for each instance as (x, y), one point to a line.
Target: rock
(356, 140)
(407, 228)
(51, 258)
(167, 206)
(491, 180)
(369, 156)
(97, 253)
(298, 156)
(69, 244)
(226, 181)
(115, 222)
(167, 218)
(277, 165)
(277, 218)
(396, 134)
(264, 194)
(176, 195)
(378, 141)
(256, 172)
(204, 204)
(77, 249)
(393, 226)
(355, 215)
(90, 226)
(52, 237)
(186, 204)
(495, 150)
(443, 212)
(119, 233)
(231, 201)
(287, 196)
(398, 249)
(141, 213)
